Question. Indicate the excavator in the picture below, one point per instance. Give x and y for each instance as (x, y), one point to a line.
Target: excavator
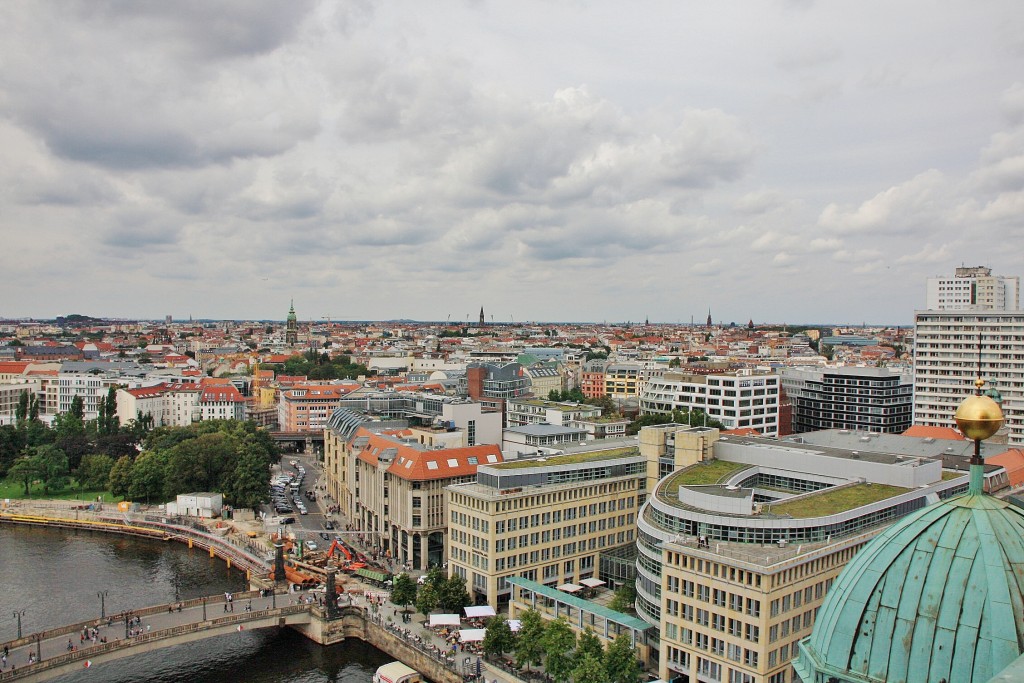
(348, 564)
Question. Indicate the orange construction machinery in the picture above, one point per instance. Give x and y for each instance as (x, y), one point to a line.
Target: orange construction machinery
(348, 564)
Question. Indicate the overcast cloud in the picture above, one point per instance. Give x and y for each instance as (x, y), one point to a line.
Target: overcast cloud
(780, 161)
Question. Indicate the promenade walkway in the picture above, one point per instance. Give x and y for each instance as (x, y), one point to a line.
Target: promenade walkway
(43, 655)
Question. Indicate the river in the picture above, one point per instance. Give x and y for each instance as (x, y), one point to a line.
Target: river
(54, 576)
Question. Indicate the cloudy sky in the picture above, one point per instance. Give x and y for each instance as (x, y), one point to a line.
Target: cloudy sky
(782, 161)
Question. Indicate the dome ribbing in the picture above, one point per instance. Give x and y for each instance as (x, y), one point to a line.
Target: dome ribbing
(938, 596)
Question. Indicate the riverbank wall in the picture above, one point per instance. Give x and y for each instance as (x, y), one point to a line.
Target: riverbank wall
(247, 556)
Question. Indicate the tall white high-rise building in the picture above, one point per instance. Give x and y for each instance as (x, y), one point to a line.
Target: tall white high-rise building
(971, 312)
(946, 357)
(973, 288)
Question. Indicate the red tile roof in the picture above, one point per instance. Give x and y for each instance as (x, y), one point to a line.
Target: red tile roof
(414, 463)
(925, 432)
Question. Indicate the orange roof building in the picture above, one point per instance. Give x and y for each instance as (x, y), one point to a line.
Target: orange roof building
(398, 479)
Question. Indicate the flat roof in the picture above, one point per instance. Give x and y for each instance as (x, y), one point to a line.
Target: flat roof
(544, 429)
(567, 459)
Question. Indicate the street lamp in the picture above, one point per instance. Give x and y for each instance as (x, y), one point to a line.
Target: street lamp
(204, 608)
(127, 617)
(18, 614)
(102, 595)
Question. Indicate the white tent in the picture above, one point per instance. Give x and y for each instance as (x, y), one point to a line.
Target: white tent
(515, 625)
(444, 619)
(570, 588)
(479, 611)
(472, 635)
(592, 583)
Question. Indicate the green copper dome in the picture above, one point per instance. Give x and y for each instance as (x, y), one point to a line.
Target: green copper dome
(936, 597)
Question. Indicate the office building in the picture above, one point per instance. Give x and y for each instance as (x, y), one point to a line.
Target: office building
(973, 288)
(546, 520)
(862, 399)
(739, 400)
(948, 347)
(392, 484)
(737, 551)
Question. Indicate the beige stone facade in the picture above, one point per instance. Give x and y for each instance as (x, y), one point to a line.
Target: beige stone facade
(546, 520)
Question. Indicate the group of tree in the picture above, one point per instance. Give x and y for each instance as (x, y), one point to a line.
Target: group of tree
(438, 592)
(33, 449)
(230, 457)
(694, 418)
(320, 366)
(565, 657)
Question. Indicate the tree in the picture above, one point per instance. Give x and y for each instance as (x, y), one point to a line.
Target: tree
(559, 641)
(426, 599)
(589, 669)
(94, 472)
(52, 467)
(148, 476)
(589, 643)
(454, 596)
(106, 420)
(12, 443)
(70, 436)
(77, 408)
(24, 470)
(21, 410)
(120, 480)
(247, 485)
(498, 639)
(403, 591)
(620, 661)
(675, 362)
(624, 598)
(530, 643)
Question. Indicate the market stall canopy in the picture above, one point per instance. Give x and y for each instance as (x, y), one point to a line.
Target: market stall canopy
(444, 619)
(592, 583)
(479, 611)
(515, 625)
(570, 588)
(472, 635)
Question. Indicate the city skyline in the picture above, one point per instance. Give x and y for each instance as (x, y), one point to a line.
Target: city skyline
(788, 162)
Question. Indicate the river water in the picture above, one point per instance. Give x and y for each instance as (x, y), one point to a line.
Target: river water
(54, 576)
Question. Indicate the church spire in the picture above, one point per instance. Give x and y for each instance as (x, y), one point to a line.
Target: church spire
(482, 316)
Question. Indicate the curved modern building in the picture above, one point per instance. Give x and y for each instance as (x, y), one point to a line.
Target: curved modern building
(742, 537)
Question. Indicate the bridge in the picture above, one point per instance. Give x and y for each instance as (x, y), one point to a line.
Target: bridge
(159, 626)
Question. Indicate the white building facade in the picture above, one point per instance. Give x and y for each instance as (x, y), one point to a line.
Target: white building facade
(948, 346)
(973, 288)
(739, 400)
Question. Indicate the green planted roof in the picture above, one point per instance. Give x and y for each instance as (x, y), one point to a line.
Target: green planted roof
(835, 500)
(937, 596)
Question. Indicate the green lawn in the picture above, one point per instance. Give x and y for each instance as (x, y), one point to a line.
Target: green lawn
(705, 473)
(17, 491)
(830, 502)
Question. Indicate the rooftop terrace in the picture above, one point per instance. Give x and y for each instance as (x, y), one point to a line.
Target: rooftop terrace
(569, 459)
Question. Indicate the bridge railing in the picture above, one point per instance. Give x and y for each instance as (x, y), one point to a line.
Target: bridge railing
(163, 634)
(119, 617)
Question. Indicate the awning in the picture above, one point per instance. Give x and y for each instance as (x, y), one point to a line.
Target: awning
(592, 583)
(515, 625)
(472, 635)
(444, 619)
(479, 611)
(570, 588)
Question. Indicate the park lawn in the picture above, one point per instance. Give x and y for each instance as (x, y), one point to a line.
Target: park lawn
(16, 490)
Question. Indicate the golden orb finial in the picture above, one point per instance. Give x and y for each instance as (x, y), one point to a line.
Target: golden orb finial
(979, 417)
